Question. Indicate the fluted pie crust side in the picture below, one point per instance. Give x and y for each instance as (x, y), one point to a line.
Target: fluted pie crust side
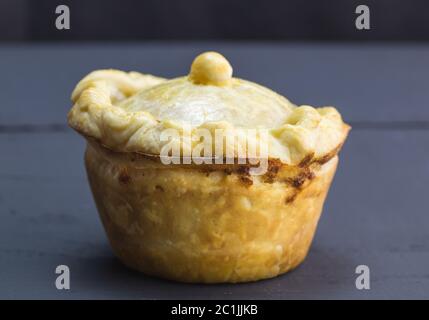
(195, 225)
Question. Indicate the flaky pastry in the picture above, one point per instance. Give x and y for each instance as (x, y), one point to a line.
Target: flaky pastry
(204, 222)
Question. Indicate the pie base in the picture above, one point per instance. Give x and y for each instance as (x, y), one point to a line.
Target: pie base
(191, 225)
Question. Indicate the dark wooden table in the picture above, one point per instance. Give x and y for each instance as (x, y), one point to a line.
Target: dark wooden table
(377, 212)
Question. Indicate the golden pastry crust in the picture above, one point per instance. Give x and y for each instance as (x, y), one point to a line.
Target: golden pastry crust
(193, 225)
(210, 222)
(129, 111)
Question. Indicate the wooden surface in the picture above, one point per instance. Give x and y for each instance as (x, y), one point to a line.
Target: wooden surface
(377, 212)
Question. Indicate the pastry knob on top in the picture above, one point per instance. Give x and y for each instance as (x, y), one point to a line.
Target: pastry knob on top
(210, 68)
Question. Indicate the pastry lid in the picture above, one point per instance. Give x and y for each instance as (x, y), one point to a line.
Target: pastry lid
(210, 94)
(130, 112)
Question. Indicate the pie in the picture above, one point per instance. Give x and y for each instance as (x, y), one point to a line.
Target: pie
(201, 211)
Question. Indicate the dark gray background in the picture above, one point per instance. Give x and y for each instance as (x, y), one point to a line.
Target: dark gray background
(376, 213)
(333, 20)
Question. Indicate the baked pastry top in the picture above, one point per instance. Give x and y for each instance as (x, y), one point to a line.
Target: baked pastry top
(127, 112)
